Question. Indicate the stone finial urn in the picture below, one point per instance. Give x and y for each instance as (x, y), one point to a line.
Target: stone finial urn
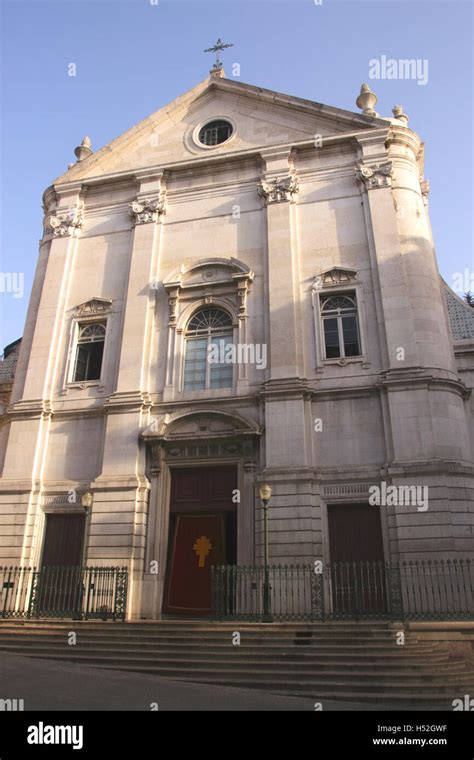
(366, 100)
(84, 149)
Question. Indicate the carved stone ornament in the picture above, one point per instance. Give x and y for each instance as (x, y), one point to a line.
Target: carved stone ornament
(425, 190)
(379, 175)
(94, 307)
(278, 189)
(146, 210)
(334, 277)
(60, 225)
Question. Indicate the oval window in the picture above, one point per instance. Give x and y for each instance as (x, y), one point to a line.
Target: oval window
(215, 132)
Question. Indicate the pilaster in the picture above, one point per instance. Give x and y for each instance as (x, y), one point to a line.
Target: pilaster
(146, 213)
(278, 189)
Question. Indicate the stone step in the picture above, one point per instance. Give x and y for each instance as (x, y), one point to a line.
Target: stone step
(342, 688)
(209, 639)
(200, 670)
(211, 636)
(310, 683)
(321, 660)
(270, 649)
(255, 630)
(326, 648)
(191, 623)
(269, 652)
(369, 700)
(238, 659)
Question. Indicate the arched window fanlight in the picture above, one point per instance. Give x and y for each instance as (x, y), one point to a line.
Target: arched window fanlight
(93, 332)
(208, 333)
(209, 319)
(340, 326)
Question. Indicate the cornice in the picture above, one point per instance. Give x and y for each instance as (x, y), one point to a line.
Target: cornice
(197, 438)
(428, 466)
(294, 387)
(161, 407)
(297, 474)
(29, 408)
(26, 486)
(465, 346)
(348, 392)
(406, 379)
(109, 483)
(127, 401)
(378, 135)
(405, 137)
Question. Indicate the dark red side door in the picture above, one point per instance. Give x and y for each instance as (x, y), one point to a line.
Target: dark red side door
(358, 579)
(60, 579)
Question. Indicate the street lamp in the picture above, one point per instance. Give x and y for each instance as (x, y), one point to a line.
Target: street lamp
(265, 492)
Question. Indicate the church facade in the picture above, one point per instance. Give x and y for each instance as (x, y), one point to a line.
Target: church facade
(242, 289)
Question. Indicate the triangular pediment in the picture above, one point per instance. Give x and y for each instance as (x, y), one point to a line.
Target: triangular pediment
(260, 118)
(334, 277)
(93, 307)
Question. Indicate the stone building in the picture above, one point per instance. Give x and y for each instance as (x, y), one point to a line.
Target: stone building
(241, 289)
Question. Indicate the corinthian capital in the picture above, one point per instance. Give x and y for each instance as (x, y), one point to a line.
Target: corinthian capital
(145, 210)
(278, 189)
(61, 225)
(379, 175)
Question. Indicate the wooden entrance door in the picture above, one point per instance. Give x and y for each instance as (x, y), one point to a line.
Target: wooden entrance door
(358, 582)
(203, 532)
(63, 541)
(60, 578)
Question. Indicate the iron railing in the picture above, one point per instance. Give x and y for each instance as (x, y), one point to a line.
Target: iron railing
(237, 592)
(62, 592)
(408, 590)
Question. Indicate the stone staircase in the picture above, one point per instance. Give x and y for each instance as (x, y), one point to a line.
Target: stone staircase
(347, 661)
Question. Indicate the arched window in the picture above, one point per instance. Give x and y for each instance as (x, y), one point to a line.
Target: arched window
(206, 363)
(340, 326)
(89, 351)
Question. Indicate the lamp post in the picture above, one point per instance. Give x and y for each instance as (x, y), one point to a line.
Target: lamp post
(265, 496)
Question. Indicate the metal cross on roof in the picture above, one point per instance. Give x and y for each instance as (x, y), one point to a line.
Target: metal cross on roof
(216, 48)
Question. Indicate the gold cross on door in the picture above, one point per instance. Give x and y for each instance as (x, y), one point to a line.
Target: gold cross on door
(202, 547)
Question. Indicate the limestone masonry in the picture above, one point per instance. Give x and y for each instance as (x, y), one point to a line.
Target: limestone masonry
(295, 230)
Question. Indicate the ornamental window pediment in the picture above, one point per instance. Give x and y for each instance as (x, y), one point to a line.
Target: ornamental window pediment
(94, 307)
(335, 277)
(224, 282)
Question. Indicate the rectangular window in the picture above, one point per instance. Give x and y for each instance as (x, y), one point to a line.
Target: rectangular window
(195, 364)
(89, 352)
(331, 338)
(210, 136)
(221, 373)
(350, 335)
(340, 326)
(199, 371)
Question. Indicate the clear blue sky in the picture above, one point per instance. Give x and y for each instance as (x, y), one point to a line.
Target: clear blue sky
(133, 56)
